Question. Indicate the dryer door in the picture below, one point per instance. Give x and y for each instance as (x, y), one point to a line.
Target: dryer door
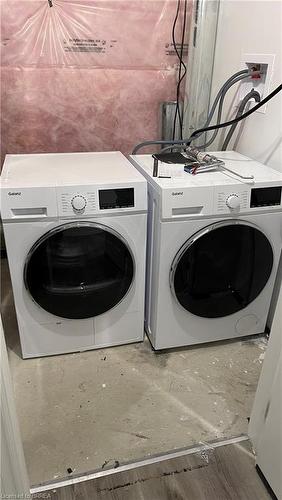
(79, 270)
(221, 269)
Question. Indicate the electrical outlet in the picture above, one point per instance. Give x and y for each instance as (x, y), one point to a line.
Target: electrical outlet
(262, 62)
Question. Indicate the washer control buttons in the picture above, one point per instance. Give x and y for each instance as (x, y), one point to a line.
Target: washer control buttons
(78, 203)
(233, 201)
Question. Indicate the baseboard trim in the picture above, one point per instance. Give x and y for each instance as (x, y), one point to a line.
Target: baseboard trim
(79, 478)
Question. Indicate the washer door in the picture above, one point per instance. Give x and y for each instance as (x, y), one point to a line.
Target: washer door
(221, 269)
(79, 270)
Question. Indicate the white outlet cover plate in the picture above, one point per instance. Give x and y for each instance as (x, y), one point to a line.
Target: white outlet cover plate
(262, 87)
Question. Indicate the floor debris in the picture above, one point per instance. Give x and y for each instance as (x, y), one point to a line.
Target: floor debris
(140, 415)
(111, 463)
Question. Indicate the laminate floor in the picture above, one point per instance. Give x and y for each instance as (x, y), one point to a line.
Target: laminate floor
(224, 473)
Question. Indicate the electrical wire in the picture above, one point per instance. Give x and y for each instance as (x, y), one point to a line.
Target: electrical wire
(198, 132)
(240, 75)
(238, 119)
(232, 79)
(180, 59)
(181, 64)
(253, 94)
(225, 88)
(221, 90)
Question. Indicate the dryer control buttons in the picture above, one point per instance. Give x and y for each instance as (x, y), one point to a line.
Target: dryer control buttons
(78, 203)
(233, 201)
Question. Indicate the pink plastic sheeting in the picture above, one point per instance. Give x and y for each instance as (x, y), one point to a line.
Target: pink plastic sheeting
(55, 100)
(63, 110)
(89, 33)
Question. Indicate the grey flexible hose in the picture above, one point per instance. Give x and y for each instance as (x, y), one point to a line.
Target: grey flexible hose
(161, 143)
(220, 95)
(240, 118)
(253, 94)
(220, 108)
(174, 146)
(233, 79)
(226, 85)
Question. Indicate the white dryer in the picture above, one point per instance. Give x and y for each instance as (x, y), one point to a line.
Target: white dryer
(75, 231)
(214, 242)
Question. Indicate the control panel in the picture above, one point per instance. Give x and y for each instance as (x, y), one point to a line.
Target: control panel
(228, 200)
(86, 201)
(76, 202)
(235, 199)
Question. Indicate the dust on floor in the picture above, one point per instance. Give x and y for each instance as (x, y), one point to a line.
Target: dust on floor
(88, 410)
(84, 411)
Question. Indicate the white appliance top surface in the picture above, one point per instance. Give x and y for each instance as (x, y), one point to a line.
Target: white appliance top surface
(233, 160)
(67, 169)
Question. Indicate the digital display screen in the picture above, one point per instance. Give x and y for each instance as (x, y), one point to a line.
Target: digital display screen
(116, 198)
(266, 197)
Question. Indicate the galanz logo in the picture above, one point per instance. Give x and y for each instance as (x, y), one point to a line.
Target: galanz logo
(14, 193)
(177, 193)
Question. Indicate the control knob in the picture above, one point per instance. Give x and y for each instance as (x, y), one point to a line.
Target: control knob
(233, 201)
(78, 203)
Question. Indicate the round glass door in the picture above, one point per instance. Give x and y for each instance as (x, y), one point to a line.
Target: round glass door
(221, 269)
(79, 270)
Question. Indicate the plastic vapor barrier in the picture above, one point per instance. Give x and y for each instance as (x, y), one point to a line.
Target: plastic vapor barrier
(85, 75)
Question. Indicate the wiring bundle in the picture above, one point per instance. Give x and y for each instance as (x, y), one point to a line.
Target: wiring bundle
(182, 66)
(219, 100)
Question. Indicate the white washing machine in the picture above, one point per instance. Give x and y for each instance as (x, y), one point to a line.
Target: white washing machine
(75, 231)
(214, 242)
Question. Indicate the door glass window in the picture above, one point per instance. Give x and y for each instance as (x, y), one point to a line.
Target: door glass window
(223, 270)
(79, 271)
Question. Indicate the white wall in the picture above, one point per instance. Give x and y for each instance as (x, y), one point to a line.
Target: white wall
(254, 27)
(14, 481)
(265, 427)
